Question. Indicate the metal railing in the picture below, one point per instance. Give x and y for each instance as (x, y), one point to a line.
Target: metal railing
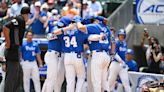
(122, 16)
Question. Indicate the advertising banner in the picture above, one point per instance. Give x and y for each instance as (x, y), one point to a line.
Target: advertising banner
(150, 11)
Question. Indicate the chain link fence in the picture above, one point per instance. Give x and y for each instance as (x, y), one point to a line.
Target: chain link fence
(122, 16)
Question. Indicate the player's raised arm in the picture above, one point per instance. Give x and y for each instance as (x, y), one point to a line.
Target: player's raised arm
(81, 27)
(95, 37)
(63, 30)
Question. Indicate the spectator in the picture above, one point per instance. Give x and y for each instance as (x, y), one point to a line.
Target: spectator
(45, 8)
(4, 11)
(4, 14)
(51, 5)
(113, 30)
(37, 20)
(95, 8)
(16, 8)
(130, 62)
(32, 6)
(30, 52)
(61, 3)
(69, 10)
(154, 55)
(85, 9)
(146, 47)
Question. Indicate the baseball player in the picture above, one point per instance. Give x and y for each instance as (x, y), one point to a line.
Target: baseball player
(2, 67)
(72, 41)
(52, 58)
(30, 52)
(118, 66)
(132, 65)
(100, 59)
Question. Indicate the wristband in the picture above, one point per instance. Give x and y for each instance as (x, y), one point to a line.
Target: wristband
(62, 30)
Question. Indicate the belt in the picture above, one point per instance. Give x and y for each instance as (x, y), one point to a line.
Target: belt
(77, 53)
(56, 52)
(93, 51)
(73, 52)
(29, 60)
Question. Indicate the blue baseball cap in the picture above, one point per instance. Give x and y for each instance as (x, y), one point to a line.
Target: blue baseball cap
(130, 51)
(88, 20)
(65, 20)
(100, 18)
(77, 18)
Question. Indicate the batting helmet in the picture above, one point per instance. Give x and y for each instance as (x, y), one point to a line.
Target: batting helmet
(130, 51)
(122, 32)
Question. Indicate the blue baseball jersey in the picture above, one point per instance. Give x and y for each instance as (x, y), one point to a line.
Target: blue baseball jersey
(120, 49)
(73, 41)
(54, 44)
(99, 29)
(29, 50)
(132, 65)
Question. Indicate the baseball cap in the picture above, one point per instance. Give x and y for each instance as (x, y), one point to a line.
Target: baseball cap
(25, 10)
(85, 2)
(50, 1)
(54, 12)
(65, 20)
(130, 51)
(38, 3)
(44, 6)
(77, 18)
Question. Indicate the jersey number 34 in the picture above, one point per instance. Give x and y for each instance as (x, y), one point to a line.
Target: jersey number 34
(70, 41)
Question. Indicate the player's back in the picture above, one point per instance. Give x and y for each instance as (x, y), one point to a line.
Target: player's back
(101, 30)
(54, 43)
(73, 41)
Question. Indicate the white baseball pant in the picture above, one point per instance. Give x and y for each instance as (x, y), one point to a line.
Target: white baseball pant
(90, 86)
(99, 65)
(74, 67)
(116, 69)
(31, 70)
(61, 71)
(51, 82)
(2, 84)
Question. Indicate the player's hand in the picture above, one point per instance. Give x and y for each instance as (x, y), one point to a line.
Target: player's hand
(40, 66)
(72, 26)
(112, 56)
(7, 45)
(4, 67)
(102, 36)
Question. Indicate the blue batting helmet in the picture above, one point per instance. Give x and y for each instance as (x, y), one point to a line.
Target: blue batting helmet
(122, 32)
(130, 51)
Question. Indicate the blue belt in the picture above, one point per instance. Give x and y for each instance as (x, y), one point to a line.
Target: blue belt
(99, 51)
(73, 52)
(56, 52)
(29, 60)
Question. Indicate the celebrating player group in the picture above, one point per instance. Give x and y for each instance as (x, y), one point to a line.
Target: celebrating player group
(64, 57)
